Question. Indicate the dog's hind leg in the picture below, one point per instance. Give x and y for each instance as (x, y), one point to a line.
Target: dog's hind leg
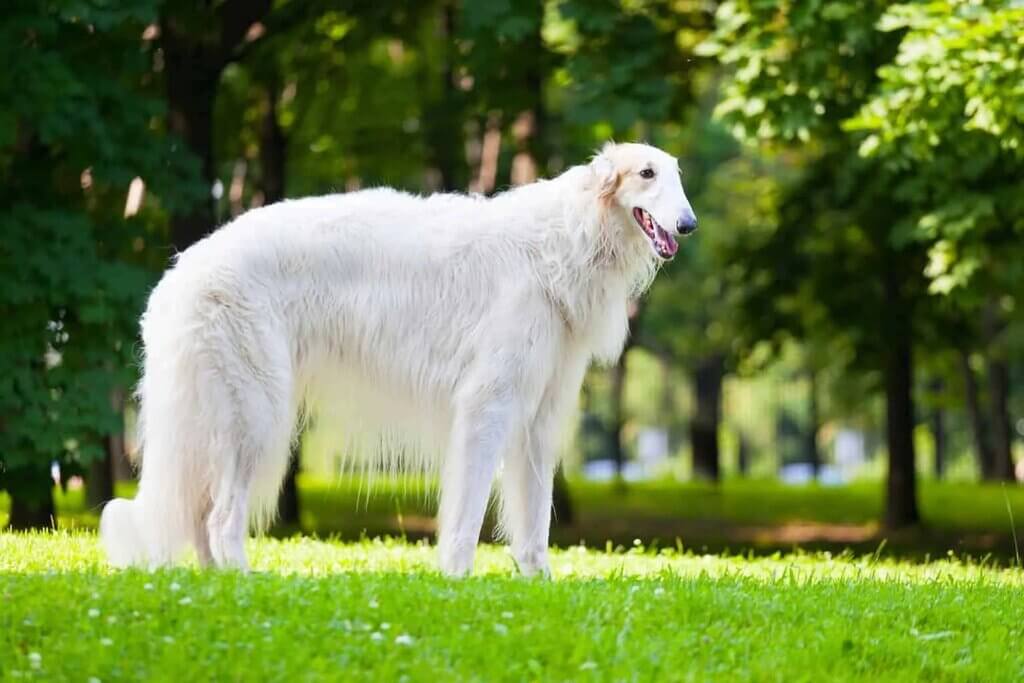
(479, 436)
(228, 524)
(201, 537)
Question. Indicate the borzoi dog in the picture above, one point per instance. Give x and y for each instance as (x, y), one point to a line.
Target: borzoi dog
(448, 332)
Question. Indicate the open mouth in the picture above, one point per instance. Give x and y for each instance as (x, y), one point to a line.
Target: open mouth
(665, 246)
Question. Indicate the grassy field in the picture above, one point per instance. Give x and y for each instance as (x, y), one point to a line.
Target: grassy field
(377, 610)
(738, 516)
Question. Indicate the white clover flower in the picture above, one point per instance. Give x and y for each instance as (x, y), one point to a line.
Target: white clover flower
(376, 635)
(93, 613)
(147, 587)
(404, 639)
(384, 626)
(507, 615)
(374, 604)
(106, 642)
(588, 666)
(500, 628)
(175, 587)
(35, 659)
(185, 601)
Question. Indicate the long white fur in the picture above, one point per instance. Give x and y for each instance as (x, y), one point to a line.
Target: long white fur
(446, 333)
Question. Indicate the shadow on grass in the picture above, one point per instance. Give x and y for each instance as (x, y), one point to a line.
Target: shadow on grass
(743, 517)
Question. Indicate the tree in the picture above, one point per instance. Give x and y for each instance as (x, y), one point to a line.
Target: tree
(837, 264)
(947, 115)
(198, 42)
(74, 263)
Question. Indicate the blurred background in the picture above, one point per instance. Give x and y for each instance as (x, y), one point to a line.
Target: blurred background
(835, 360)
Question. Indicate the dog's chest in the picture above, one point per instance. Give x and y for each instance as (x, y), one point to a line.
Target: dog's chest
(605, 324)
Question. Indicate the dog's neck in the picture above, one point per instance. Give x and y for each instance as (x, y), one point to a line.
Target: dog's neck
(598, 270)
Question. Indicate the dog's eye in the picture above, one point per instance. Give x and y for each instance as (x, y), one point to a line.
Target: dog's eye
(647, 173)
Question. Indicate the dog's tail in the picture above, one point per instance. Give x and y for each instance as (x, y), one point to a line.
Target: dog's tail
(173, 496)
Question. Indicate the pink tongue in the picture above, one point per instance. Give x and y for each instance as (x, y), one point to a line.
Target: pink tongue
(669, 245)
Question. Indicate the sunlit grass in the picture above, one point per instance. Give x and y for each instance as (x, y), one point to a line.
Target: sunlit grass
(378, 610)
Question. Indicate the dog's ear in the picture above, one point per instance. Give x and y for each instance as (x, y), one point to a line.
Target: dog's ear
(607, 177)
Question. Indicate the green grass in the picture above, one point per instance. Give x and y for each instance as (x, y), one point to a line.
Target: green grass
(378, 611)
(738, 515)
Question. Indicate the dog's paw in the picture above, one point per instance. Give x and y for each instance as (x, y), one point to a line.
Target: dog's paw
(533, 563)
(456, 560)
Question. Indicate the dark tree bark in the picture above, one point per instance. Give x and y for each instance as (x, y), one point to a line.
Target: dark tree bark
(288, 500)
(901, 486)
(707, 389)
(814, 424)
(103, 472)
(938, 428)
(743, 456)
(998, 372)
(99, 486)
(31, 501)
(618, 418)
(979, 428)
(195, 54)
(273, 150)
(1002, 430)
(444, 140)
(562, 504)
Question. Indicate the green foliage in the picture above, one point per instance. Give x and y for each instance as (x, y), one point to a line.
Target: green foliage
(950, 112)
(797, 67)
(73, 270)
(378, 611)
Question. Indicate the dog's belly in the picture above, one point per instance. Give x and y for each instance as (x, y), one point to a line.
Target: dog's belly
(379, 377)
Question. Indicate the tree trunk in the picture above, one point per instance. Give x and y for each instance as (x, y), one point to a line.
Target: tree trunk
(707, 391)
(618, 418)
(743, 456)
(288, 501)
(103, 472)
(564, 515)
(443, 137)
(998, 372)
(938, 427)
(273, 150)
(192, 78)
(979, 428)
(814, 424)
(1002, 430)
(32, 504)
(99, 487)
(901, 492)
(196, 47)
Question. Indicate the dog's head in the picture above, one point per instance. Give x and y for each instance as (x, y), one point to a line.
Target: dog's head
(641, 186)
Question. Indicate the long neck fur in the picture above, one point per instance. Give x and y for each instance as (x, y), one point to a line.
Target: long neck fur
(585, 258)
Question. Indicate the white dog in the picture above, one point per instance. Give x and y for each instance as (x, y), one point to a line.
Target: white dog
(452, 331)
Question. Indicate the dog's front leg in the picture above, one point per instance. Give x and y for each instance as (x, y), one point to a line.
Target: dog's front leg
(526, 490)
(479, 436)
(528, 476)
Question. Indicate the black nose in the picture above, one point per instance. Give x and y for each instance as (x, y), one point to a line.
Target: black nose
(687, 224)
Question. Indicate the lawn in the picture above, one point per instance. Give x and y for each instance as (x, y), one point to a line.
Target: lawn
(377, 610)
(737, 516)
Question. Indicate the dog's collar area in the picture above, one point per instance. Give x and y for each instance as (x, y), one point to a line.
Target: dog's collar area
(664, 244)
